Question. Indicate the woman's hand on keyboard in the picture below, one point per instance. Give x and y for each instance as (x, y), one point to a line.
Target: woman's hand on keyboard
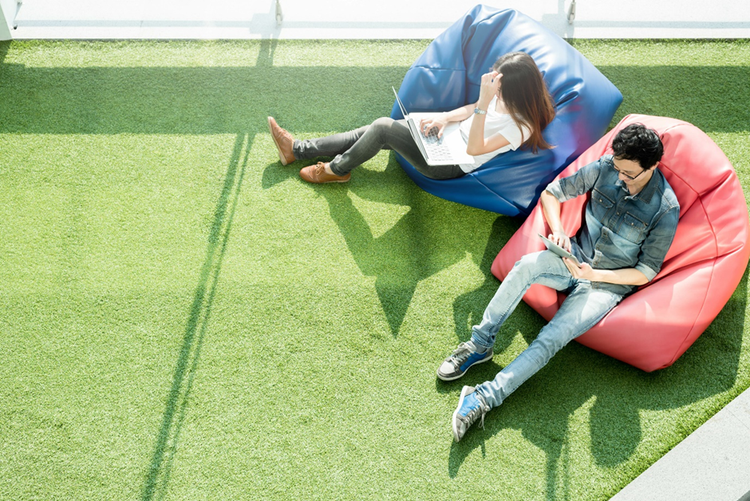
(426, 124)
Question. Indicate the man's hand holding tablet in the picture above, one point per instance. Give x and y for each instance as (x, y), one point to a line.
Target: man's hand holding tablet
(559, 250)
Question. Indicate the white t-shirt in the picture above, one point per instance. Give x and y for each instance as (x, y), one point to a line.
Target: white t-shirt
(494, 123)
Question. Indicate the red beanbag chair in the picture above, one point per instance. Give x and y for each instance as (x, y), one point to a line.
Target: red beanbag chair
(651, 328)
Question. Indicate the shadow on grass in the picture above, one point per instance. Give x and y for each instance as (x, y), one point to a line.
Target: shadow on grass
(219, 100)
(413, 249)
(398, 258)
(685, 92)
(168, 437)
(4, 46)
(176, 100)
(468, 308)
(187, 363)
(614, 393)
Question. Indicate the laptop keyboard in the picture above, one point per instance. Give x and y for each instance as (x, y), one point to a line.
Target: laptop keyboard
(436, 150)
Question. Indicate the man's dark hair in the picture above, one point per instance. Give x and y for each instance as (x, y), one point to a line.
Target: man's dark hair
(638, 143)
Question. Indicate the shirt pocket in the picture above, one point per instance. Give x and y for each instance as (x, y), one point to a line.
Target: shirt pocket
(632, 228)
(601, 204)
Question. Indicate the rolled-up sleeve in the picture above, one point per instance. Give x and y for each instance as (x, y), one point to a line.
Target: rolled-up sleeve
(657, 243)
(578, 183)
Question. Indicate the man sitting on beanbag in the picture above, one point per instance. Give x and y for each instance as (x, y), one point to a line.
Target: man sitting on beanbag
(630, 222)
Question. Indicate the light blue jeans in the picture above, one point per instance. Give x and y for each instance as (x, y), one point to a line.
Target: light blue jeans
(581, 310)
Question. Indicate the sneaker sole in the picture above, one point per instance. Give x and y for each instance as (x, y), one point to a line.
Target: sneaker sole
(453, 378)
(466, 390)
(278, 148)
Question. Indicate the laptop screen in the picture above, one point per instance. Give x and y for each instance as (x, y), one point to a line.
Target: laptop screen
(400, 104)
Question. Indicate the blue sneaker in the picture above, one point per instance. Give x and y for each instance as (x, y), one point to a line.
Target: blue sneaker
(466, 355)
(471, 406)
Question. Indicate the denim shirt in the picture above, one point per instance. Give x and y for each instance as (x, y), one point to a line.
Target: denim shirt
(621, 230)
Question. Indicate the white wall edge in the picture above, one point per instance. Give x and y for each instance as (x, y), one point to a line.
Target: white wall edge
(8, 10)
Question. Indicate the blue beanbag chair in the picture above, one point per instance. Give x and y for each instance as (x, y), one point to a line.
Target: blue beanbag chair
(447, 76)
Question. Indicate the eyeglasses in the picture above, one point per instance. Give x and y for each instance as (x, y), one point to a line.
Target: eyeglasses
(632, 178)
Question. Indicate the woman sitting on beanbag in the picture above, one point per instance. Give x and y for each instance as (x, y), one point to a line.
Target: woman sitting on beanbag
(513, 109)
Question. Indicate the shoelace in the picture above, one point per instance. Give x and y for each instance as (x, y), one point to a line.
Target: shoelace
(461, 354)
(472, 415)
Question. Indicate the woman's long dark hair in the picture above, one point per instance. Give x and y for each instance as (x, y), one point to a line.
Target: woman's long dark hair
(526, 96)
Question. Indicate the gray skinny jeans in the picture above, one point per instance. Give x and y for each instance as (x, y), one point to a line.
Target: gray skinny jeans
(353, 148)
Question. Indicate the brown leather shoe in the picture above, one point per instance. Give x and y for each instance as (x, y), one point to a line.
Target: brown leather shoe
(317, 174)
(283, 140)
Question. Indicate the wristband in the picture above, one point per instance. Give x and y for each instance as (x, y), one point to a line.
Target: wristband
(477, 111)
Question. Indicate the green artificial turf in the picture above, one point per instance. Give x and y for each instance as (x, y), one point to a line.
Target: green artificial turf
(181, 317)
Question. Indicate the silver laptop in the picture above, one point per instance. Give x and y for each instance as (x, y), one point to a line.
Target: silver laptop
(450, 149)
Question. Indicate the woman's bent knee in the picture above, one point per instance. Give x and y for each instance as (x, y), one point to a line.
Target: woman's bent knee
(382, 123)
